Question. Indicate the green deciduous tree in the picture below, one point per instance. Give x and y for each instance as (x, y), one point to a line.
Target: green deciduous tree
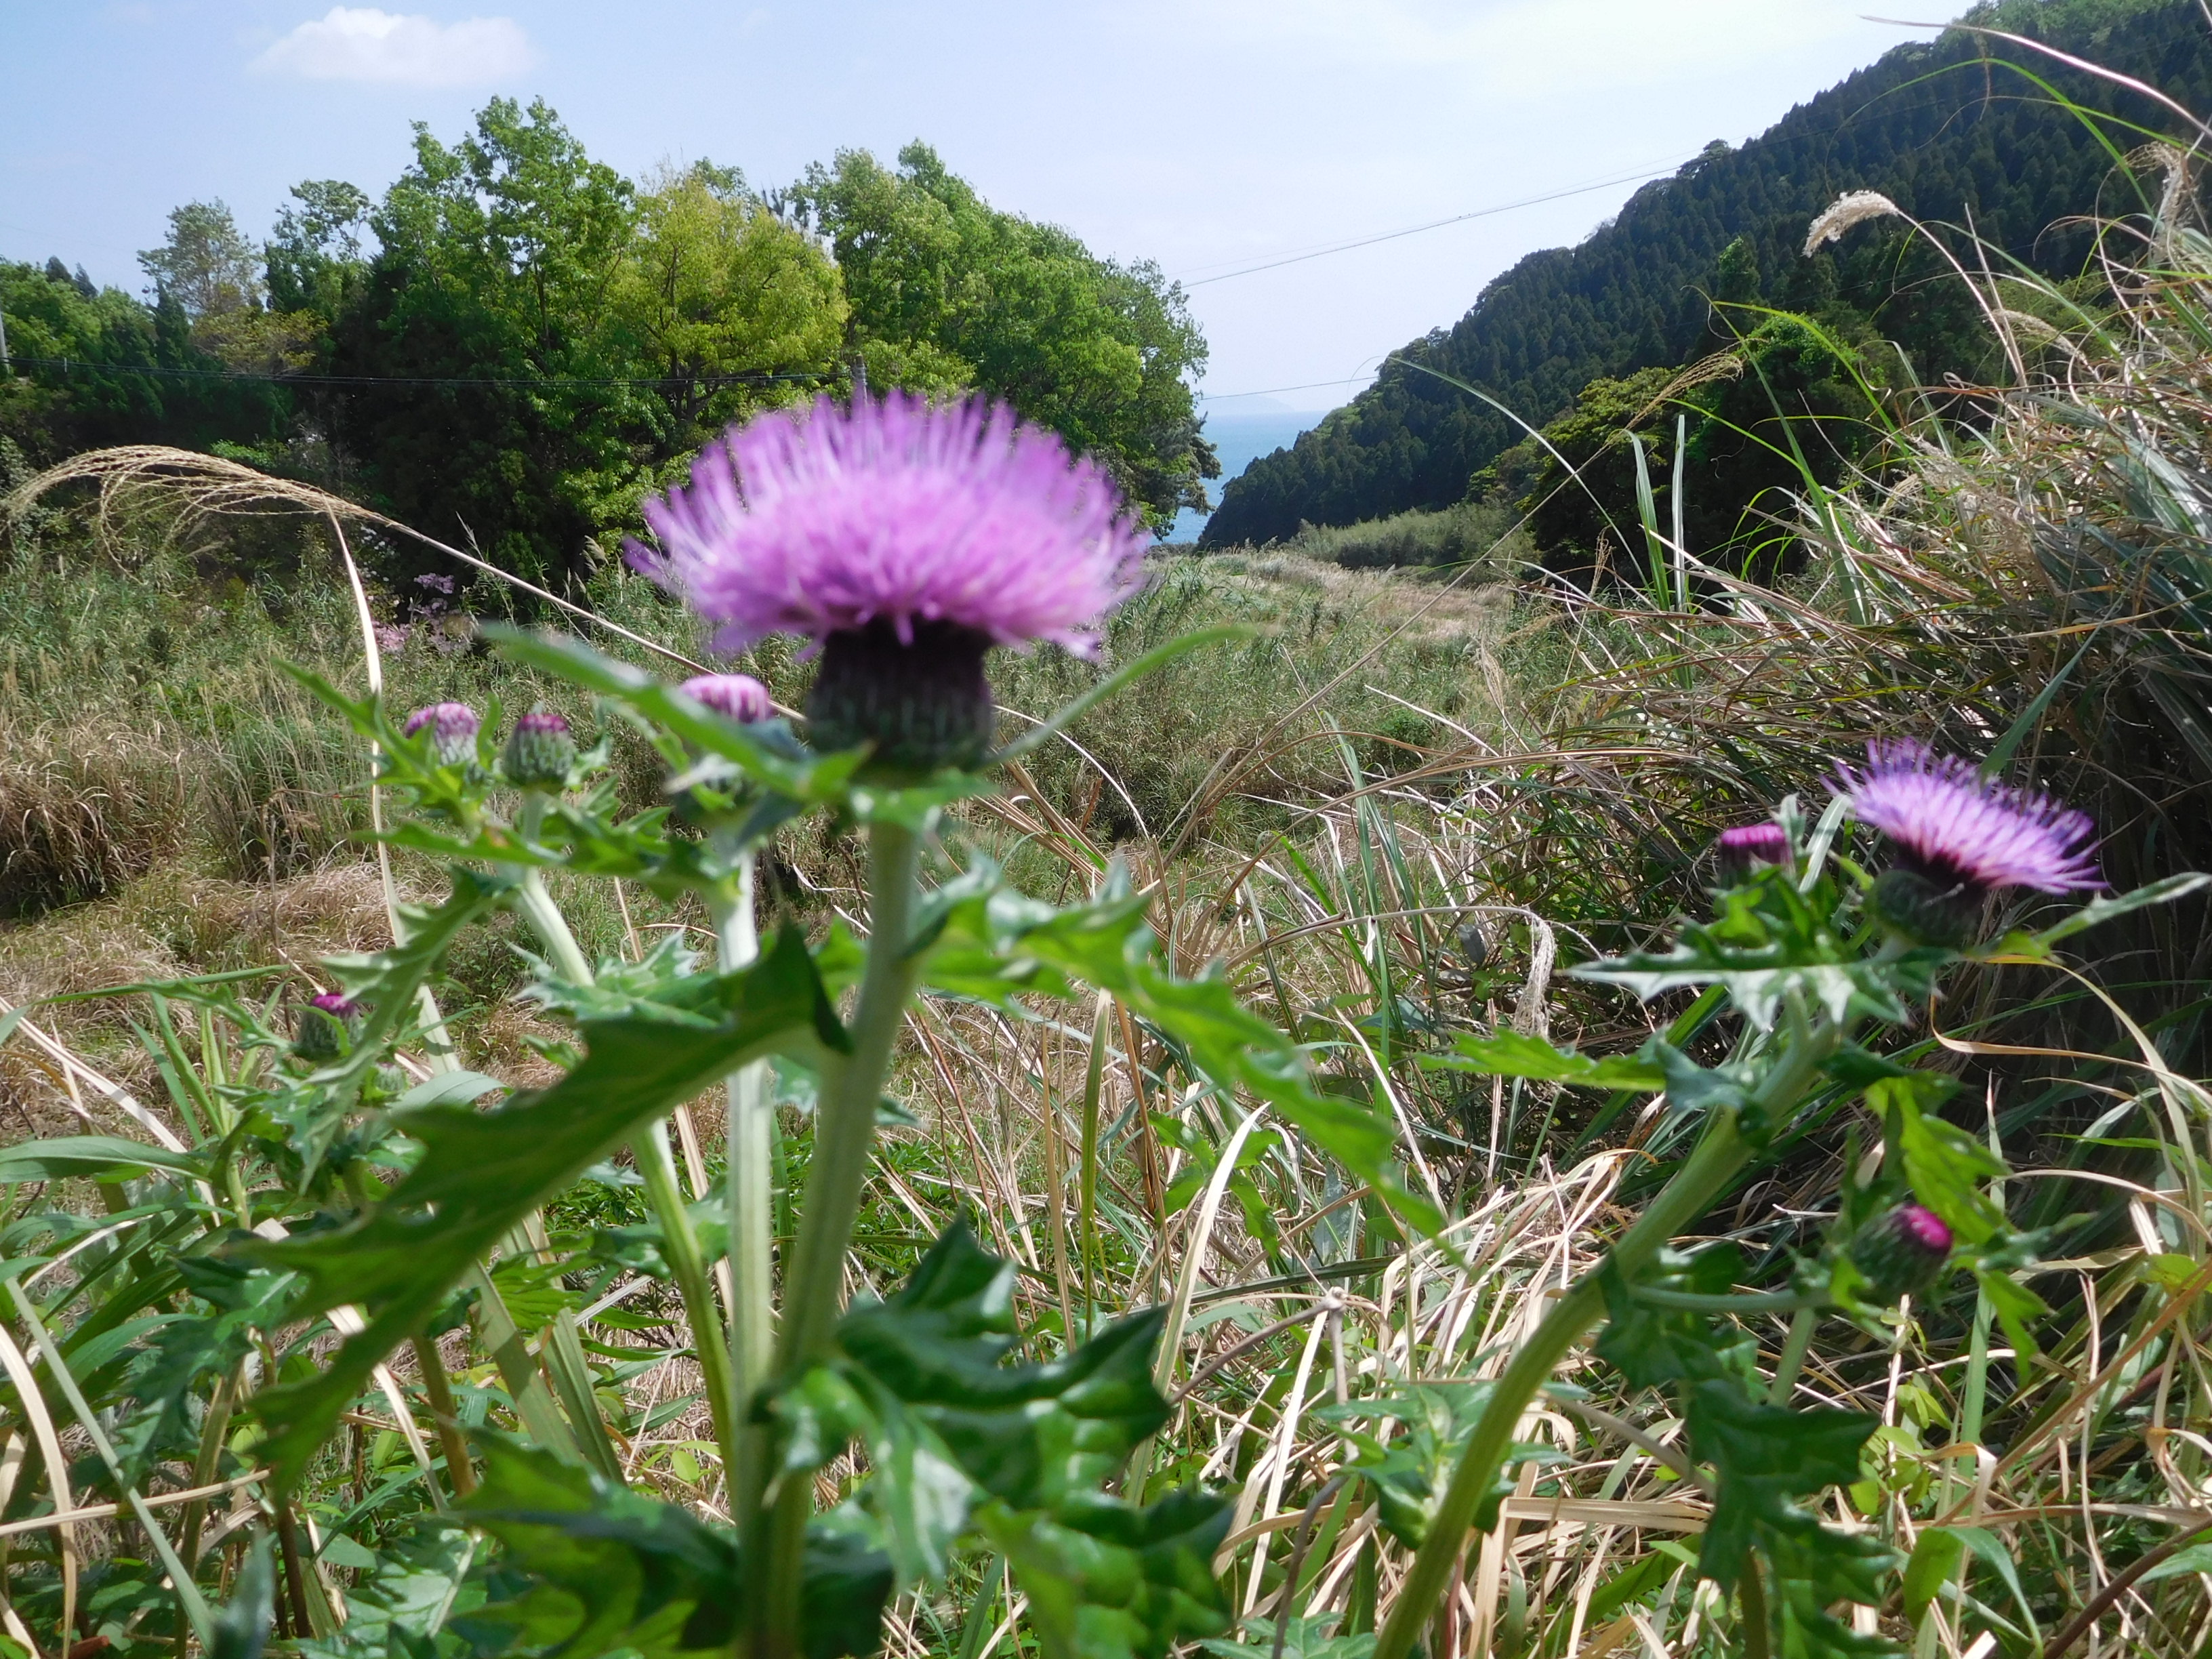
(734, 309)
(947, 291)
(499, 260)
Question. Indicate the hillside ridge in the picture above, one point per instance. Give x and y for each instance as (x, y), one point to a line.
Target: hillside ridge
(1944, 127)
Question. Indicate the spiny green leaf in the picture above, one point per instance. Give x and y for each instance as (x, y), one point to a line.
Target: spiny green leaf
(617, 1570)
(480, 1172)
(1764, 1456)
(1107, 1580)
(1515, 1054)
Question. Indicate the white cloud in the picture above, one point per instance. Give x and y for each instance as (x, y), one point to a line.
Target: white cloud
(361, 43)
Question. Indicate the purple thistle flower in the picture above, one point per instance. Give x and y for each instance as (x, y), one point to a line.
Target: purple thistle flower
(823, 521)
(1963, 834)
(453, 727)
(739, 697)
(336, 1005)
(1902, 1252)
(1745, 848)
(540, 751)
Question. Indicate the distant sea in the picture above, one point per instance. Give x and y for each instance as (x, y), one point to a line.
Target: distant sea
(1241, 433)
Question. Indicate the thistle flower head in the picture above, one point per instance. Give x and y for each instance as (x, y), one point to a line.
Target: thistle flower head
(1901, 1253)
(336, 1005)
(823, 521)
(1747, 846)
(453, 727)
(540, 751)
(739, 697)
(1963, 834)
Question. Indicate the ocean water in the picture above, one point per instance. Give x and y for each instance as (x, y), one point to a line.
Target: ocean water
(1240, 436)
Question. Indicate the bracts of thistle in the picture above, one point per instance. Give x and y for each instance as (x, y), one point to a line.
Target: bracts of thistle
(902, 540)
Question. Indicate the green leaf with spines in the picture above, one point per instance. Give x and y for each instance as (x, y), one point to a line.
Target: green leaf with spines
(480, 1173)
(1516, 1053)
(614, 1570)
(1107, 1580)
(1764, 1457)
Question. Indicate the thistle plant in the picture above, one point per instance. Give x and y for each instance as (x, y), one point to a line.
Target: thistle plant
(1809, 951)
(351, 1196)
(904, 543)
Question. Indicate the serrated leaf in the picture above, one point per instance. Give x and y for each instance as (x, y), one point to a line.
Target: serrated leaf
(614, 1570)
(1106, 1580)
(1033, 1435)
(480, 1172)
(2017, 1308)
(2104, 909)
(1653, 1347)
(1764, 1456)
(1516, 1053)
(1944, 1164)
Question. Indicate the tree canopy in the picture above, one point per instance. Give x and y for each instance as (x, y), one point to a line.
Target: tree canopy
(515, 342)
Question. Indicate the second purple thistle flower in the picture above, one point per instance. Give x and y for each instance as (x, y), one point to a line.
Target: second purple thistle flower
(1960, 836)
(904, 540)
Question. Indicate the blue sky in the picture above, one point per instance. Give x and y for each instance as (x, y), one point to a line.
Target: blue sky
(1209, 135)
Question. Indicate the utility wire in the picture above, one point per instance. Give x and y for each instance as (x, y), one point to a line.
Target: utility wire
(1433, 224)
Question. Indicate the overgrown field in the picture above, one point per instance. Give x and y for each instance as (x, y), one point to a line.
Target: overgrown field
(1389, 815)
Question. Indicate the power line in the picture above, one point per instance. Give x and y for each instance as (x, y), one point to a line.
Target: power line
(1433, 224)
(1269, 391)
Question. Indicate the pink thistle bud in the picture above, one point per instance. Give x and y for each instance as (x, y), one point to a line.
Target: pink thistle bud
(1746, 847)
(1902, 1252)
(739, 697)
(453, 727)
(325, 1028)
(540, 751)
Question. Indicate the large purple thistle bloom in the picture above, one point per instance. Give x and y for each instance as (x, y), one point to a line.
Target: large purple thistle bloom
(822, 521)
(1960, 830)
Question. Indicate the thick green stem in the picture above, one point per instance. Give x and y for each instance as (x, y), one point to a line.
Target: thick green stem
(650, 1152)
(1792, 1359)
(656, 1162)
(844, 1132)
(1702, 1178)
(751, 1126)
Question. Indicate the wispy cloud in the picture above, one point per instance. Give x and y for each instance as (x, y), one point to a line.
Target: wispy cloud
(361, 43)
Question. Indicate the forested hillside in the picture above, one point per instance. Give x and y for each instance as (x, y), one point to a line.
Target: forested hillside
(1954, 131)
(515, 342)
